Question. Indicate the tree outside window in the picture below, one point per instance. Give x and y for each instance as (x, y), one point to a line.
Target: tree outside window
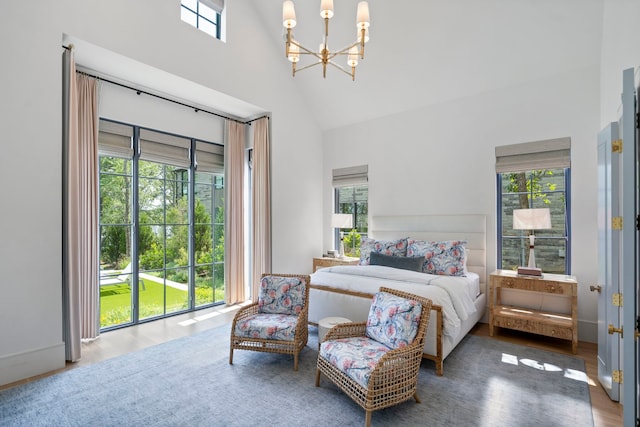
(353, 200)
(540, 188)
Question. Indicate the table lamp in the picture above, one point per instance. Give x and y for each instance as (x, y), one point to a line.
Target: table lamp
(342, 221)
(531, 219)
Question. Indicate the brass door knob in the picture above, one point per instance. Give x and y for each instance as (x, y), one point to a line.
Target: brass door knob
(611, 330)
(594, 288)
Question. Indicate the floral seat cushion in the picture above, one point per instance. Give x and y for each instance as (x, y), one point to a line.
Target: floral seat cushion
(393, 320)
(356, 357)
(278, 327)
(281, 295)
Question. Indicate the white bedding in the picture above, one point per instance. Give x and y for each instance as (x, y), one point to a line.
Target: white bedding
(456, 294)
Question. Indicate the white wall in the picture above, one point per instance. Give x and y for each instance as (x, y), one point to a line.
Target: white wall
(620, 51)
(150, 32)
(441, 159)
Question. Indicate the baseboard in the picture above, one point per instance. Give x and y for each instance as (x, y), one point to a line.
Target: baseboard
(19, 366)
(587, 331)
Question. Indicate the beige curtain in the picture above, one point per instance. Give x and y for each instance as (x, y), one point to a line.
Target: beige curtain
(234, 207)
(261, 204)
(80, 209)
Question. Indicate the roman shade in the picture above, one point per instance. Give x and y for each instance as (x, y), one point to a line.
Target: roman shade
(209, 157)
(217, 5)
(115, 139)
(351, 176)
(546, 154)
(165, 148)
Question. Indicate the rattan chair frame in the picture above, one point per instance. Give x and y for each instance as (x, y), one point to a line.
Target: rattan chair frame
(395, 377)
(294, 347)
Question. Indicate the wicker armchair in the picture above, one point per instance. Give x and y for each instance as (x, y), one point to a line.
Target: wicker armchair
(277, 323)
(348, 349)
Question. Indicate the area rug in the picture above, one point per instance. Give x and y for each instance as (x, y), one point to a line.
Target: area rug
(188, 382)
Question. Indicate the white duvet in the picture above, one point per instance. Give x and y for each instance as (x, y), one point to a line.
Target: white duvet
(452, 293)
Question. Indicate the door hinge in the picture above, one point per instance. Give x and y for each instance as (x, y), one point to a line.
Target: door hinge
(616, 376)
(616, 223)
(638, 222)
(616, 300)
(616, 146)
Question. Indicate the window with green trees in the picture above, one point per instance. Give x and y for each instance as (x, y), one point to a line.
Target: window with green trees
(538, 188)
(172, 245)
(353, 200)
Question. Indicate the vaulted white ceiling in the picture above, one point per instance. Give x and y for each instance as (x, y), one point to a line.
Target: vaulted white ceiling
(427, 52)
(421, 53)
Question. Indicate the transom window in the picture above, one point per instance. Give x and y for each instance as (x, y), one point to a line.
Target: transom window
(205, 15)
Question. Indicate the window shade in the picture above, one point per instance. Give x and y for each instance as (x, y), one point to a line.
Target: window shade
(164, 148)
(209, 157)
(115, 139)
(546, 154)
(216, 5)
(354, 175)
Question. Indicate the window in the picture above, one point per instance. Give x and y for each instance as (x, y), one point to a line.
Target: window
(176, 257)
(534, 175)
(351, 197)
(206, 15)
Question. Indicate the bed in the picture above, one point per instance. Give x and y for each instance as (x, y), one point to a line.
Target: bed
(459, 301)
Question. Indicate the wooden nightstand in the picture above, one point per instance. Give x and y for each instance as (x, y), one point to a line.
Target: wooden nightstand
(558, 325)
(321, 262)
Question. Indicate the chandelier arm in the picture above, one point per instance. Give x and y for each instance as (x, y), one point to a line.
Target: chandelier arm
(345, 50)
(339, 67)
(306, 50)
(308, 66)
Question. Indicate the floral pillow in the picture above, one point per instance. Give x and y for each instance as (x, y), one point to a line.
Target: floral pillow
(385, 247)
(281, 295)
(393, 320)
(446, 258)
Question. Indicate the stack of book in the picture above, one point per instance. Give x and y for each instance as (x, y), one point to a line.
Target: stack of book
(529, 271)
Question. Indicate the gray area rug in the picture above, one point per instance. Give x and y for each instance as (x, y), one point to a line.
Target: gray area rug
(188, 382)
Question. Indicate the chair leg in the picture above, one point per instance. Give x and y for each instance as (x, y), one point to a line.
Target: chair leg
(415, 396)
(367, 419)
(231, 356)
(295, 362)
(317, 377)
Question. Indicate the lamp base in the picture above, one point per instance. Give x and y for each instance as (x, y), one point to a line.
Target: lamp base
(530, 271)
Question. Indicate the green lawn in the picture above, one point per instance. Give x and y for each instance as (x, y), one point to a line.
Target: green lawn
(115, 302)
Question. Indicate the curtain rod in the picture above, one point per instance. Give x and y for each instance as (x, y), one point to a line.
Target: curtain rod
(140, 91)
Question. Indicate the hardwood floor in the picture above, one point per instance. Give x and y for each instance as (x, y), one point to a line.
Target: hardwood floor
(114, 343)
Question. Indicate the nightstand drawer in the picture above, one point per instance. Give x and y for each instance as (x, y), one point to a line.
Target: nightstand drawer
(536, 324)
(537, 285)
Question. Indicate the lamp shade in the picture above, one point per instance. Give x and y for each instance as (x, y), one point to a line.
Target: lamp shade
(363, 15)
(288, 14)
(531, 219)
(342, 221)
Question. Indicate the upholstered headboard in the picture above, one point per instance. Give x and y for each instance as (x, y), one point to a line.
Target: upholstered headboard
(472, 228)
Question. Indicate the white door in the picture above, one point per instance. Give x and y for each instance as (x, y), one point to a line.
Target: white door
(608, 259)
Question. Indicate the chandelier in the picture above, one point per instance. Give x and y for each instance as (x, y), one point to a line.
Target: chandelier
(324, 56)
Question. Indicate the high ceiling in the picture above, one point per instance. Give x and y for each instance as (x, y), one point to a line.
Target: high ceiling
(427, 52)
(421, 53)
